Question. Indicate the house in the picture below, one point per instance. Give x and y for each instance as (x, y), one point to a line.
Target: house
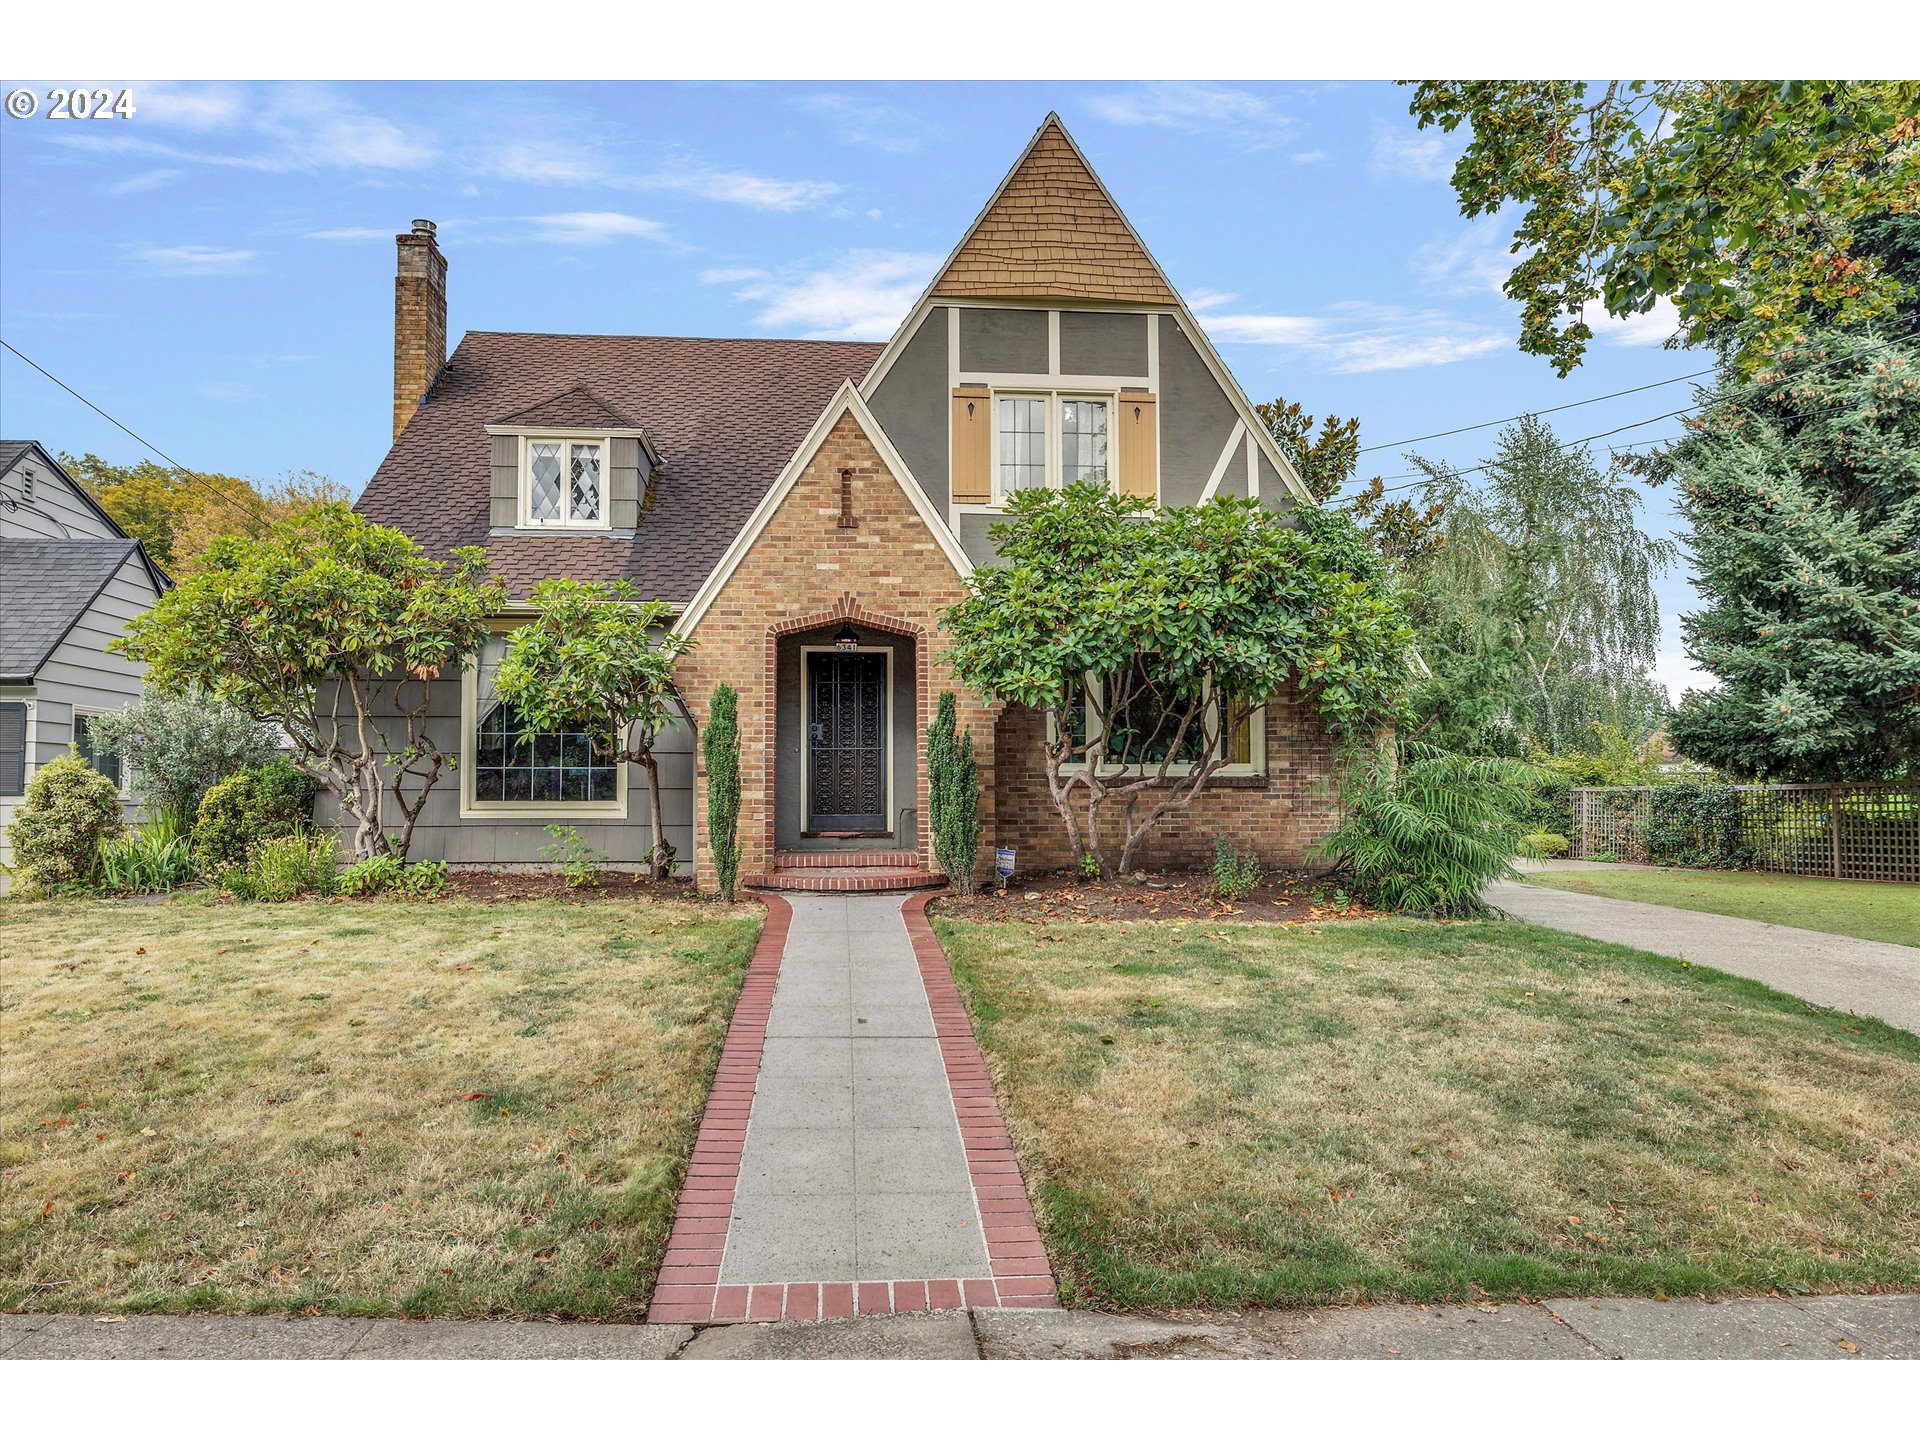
(70, 579)
(810, 508)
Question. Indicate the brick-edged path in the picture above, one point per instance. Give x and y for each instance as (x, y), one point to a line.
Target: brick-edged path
(852, 1160)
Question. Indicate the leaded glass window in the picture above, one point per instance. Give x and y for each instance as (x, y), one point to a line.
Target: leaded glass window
(1023, 443)
(1083, 441)
(513, 761)
(565, 482)
(585, 494)
(543, 496)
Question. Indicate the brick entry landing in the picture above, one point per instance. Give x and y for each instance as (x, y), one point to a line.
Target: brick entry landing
(870, 1172)
(846, 872)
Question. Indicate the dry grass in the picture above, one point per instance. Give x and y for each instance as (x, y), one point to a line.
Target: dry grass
(373, 1108)
(1257, 1115)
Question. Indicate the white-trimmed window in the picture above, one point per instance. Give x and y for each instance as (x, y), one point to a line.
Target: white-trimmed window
(1050, 439)
(1143, 734)
(563, 482)
(507, 767)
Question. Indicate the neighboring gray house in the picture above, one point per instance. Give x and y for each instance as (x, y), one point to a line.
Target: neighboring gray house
(810, 508)
(70, 579)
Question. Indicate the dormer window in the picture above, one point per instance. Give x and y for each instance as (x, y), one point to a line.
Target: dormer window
(563, 482)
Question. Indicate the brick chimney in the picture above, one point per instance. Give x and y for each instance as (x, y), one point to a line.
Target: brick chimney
(419, 320)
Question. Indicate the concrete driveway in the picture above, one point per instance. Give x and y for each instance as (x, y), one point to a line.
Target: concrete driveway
(1864, 977)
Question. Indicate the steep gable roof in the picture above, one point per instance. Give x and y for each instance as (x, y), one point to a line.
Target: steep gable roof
(14, 451)
(724, 415)
(48, 585)
(1052, 230)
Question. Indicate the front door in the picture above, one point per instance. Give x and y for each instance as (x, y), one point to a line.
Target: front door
(846, 741)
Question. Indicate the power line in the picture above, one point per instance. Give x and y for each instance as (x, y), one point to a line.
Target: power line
(1550, 410)
(1425, 478)
(1421, 477)
(193, 477)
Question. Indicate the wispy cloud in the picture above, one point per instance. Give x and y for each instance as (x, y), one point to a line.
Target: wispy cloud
(595, 227)
(734, 187)
(877, 126)
(1402, 153)
(1474, 261)
(862, 296)
(583, 162)
(192, 259)
(1655, 327)
(730, 275)
(354, 232)
(144, 181)
(1250, 120)
(1354, 337)
(270, 128)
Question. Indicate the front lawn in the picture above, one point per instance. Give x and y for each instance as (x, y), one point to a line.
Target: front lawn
(1863, 908)
(1241, 1114)
(366, 1109)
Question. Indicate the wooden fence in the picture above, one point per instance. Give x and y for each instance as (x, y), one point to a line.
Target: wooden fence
(1847, 832)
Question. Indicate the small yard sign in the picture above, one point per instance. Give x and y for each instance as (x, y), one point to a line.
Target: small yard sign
(1003, 864)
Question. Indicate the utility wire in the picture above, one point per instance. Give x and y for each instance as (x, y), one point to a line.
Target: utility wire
(1550, 410)
(1421, 477)
(1427, 478)
(252, 507)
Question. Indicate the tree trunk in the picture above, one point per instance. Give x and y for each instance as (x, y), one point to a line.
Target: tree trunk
(658, 866)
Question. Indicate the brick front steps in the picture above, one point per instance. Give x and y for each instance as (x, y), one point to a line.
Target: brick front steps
(846, 871)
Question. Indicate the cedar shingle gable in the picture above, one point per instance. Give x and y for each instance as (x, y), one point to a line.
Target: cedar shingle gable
(1053, 232)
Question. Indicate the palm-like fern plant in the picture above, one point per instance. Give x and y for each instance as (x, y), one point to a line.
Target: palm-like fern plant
(1428, 832)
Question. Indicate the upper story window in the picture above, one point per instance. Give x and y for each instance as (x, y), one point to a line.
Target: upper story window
(564, 482)
(1050, 440)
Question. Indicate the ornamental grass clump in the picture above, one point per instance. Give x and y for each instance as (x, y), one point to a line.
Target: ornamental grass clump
(1426, 835)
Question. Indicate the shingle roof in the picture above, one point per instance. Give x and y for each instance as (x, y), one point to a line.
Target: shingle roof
(574, 409)
(12, 450)
(45, 586)
(725, 414)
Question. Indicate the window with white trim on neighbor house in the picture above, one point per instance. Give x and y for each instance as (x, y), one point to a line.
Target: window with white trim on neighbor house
(563, 483)
(1049, 440)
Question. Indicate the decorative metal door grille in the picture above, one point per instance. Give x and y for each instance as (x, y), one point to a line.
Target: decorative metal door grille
(846, 742)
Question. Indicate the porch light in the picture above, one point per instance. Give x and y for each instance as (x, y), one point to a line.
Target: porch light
(846, 639)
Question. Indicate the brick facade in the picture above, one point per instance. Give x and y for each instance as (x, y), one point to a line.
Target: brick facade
(807, 569)
(1277, 817)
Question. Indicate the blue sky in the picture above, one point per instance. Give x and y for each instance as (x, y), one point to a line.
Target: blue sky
(217, 270)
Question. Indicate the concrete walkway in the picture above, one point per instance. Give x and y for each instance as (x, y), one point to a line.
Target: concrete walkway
(853, 1168)
(1864, 977)
(1836, 1327)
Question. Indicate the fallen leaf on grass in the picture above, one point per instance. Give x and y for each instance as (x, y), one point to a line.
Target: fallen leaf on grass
(477, 1095)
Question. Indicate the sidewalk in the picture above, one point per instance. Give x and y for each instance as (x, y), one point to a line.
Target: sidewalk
(1865, 977)
(1837, 1327)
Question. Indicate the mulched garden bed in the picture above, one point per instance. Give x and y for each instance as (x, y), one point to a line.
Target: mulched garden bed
(489, 885)
(1287, 896)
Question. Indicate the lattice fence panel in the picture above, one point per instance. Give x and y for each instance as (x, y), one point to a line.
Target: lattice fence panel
(1848, 832)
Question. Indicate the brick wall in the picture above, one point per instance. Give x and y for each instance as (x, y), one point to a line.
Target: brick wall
(885, 572)
(1277, 817)
(419, 321)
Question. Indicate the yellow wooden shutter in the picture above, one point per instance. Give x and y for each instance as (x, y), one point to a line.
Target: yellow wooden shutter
(1137, 442)
(972, 445)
